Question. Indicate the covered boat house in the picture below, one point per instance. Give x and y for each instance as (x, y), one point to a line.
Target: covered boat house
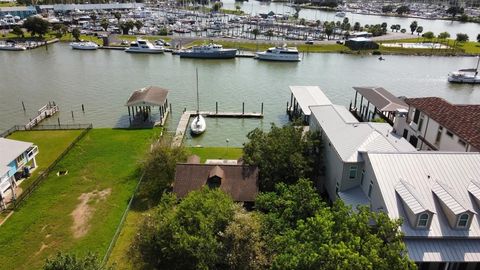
(140, 106)
(301, 98)
(376, 101)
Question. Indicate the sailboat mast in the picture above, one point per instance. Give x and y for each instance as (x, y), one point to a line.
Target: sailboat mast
(198, 100)
(478, 62)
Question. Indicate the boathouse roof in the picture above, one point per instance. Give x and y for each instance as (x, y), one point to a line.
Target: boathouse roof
(239, 181)
(148, 96)
(307, 96)
(461, 119)
(383, 100)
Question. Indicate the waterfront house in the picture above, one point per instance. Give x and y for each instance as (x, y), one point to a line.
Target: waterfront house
(237, 180)
(22, 12)
(433, 123)
(14, 156)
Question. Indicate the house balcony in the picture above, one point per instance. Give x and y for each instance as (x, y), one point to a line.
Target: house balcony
(32, 152)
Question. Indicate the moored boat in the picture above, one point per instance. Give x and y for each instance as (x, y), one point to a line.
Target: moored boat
(198, 124)
(469, 75)
(84, 45)
(287, 54)
(210, 51)
(144, 46)
(12, 46)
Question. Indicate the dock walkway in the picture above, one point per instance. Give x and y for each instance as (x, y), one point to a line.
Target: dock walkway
(185, 118)
(44, 112)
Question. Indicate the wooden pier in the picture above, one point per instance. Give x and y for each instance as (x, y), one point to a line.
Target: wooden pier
(44, 112)
(185, 119)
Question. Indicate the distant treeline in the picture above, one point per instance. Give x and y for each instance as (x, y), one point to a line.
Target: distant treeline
(52, 2)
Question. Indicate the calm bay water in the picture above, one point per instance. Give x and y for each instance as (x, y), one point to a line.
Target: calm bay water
(436, 26)
(103, 80)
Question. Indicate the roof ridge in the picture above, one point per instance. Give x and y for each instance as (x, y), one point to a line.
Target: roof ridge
(413, 193)
(450, 190)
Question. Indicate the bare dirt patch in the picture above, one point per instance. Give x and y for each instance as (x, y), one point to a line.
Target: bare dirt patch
(41, 249)
(83, 212)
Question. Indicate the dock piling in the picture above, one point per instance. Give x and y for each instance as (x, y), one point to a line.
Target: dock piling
(83, 109)
(73, 118)
(23, 105)
(261, 111)
(170, 106)
(243, 107)
(216, 107)
(58, 120)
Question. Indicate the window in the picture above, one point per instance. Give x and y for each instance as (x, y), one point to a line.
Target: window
(423, 220)
(462, 142)
(463, 220)
(353, 172)
(420, 123)
(361, 179)
(416, 115)
(405, 133)
(449, 134)
(439, 135)
(370, 189)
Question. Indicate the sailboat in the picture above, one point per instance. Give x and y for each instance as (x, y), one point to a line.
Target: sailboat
(198, 125)
(465, 75)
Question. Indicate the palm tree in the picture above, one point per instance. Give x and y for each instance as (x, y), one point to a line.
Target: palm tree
(104, 24)
(419, 30)
(413, 26)
(117, 16)
(255, 32)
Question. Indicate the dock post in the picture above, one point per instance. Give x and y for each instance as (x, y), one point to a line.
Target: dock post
(72, 116)
(23, 105)
(243, 107)
(83, 109)
(287, 107)
(127, 107)
(170, 106)
(216, 107)
(262, 109)
(58, 120)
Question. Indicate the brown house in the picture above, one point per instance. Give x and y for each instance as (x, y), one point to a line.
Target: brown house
(239, 181)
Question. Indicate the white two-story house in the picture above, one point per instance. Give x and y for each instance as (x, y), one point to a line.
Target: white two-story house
(433, 123)
(14, 155)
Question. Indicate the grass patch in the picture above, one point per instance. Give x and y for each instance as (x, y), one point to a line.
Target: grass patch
(469, 47)
(105, 159)
(8, 4)
(51, 143)
(216, 152)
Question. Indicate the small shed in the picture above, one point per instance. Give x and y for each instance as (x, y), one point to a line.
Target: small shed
(361, 43)
(141, 102)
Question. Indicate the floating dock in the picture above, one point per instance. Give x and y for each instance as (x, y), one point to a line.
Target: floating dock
(44, 112)
(185, 119)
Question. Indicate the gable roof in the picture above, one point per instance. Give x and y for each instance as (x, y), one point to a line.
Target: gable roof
(307, 96)
(461, 119)
(11, 149)
(411, 197)
(239, 181)
(148, 96)
(381, 98)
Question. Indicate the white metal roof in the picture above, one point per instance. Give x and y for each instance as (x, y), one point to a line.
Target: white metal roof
(423, 170)
(410, 197)
(11, 149)
(308, 96)
(350, 138)
(443, 250)
(354, 197)
(474, 189)
(450, 198)
(3, 170)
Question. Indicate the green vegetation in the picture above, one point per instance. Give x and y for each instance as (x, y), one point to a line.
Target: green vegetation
(456, 48)
(72, 262)
(8, 4)
(216, 153)
(51, 143)
(78, 212)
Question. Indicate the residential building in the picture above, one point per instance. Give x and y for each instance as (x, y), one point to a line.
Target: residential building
(22, 12)
(14, 155)
(433, 123)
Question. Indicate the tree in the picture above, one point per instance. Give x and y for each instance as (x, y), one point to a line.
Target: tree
(454, 10)
(329, 31)
(94, 18)
(117, 16)
(305, 233)
(36, 25)
(461, 37)
(443, 35)
(384, 26)
(419, 30)
(187, 235)
(72, 262)
(16, 30)
(387, 9)
(302, 21)
(76, 34)
(104, 24)
(428, 35)
(295, 159)
(398, 27)
(403, 30)
(356, 26)
(255, 32)
(127, 26)
(138, 24)
(243, 243)
(217, 6)
(413, 26)
(393, 27)
(269, 33)
(297, 11)
(60, 30)
(402, 10)
(238, 8)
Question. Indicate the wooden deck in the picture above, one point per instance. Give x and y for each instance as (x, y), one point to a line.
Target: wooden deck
(185, 119)
(44, 112)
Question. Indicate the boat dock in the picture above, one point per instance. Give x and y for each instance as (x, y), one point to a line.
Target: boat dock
(44, 112)
(185, 119)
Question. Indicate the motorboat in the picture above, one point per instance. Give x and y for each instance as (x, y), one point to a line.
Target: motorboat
(210, 51)
(469, 75)
(198, 124)
(144, 46)
(340, 14)
(84, 45)
(287, 54)
(12, 46)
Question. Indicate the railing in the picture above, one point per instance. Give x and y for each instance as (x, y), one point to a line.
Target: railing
(27, 192)
(11, 130)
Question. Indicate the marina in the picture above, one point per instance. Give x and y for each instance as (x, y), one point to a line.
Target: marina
(113, 74)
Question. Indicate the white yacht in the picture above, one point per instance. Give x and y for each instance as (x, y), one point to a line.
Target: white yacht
(288, 54)
(12, 46)
(469, 75)
(210, 51)
(144, 46)
(340, 14)
(84, 45)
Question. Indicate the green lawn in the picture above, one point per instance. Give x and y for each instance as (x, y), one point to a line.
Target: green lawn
(51, 143)
(104, 160)
(119, 255)
(469, 47)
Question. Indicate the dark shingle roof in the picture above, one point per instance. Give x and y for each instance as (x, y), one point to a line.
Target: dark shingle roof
(148, 96)
(239, 181)
(381, 98)
(461, 119)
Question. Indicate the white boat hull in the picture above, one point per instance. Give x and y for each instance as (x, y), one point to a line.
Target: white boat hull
(278, 57)
(198, 125)
(150, 51)
(464, 78)
(85, 47)
(12, 48)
